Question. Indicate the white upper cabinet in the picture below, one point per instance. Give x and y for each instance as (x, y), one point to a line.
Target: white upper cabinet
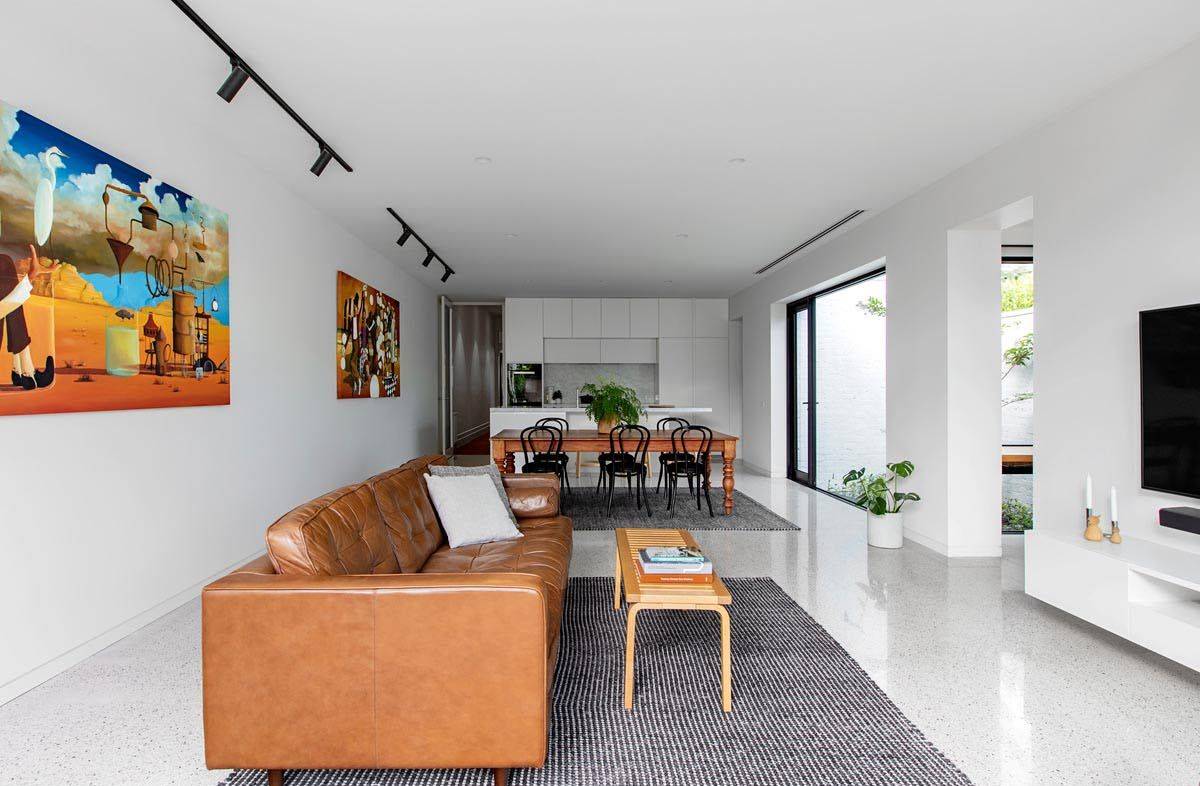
(572, 350)
(585, 317)
(643, 317)
(675, 372)
(675, 318)
(628, 350)
(556, 317)
(614, 317)
(711, 318)
(523, 330)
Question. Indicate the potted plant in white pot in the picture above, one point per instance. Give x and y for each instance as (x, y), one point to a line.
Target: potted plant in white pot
(880, 495)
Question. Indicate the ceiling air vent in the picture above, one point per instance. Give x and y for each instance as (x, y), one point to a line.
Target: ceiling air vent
(827, 230)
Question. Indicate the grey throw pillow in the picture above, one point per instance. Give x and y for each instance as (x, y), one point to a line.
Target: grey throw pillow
(444, 470)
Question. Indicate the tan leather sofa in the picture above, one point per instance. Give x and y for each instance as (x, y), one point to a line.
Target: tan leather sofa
(361, 640)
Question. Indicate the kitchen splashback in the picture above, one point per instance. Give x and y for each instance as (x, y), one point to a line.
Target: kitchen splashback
(569, 377)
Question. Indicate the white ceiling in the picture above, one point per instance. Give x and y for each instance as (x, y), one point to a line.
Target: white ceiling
(610, 126)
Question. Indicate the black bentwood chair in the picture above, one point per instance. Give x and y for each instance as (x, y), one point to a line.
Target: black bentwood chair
(627, 446)
(540, 441)
(607, 456)
(694, 443)
(560, 456)
(667, 424)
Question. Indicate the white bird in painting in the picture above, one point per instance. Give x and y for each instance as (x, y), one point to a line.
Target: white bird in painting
(43, 203)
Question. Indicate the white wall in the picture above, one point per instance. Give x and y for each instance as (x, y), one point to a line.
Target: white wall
(111, 518)
(1114, 180)
(475, 337)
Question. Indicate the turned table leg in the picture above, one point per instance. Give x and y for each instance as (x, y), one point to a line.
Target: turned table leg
(727, 482)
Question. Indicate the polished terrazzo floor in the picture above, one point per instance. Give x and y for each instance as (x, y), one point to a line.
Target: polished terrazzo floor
(1013, 691)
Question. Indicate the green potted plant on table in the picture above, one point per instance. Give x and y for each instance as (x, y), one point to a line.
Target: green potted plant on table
(880, 495)
(611, 403)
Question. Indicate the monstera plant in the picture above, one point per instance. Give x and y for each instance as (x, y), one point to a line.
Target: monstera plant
(882, 498)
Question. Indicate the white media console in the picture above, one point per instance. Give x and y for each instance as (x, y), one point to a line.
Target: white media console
(1140, 590)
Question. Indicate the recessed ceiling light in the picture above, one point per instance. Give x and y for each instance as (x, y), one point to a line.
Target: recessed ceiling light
(737, 160)
(482, 160)
(682, 235)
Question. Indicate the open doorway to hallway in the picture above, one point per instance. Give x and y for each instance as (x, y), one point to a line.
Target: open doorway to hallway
(1016, 381)
(473, 369)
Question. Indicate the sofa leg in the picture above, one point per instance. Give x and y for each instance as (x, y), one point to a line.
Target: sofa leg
(274, 777)
(501, 776)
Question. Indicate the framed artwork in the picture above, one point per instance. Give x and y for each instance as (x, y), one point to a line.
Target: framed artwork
(368, 341)
(114, 286)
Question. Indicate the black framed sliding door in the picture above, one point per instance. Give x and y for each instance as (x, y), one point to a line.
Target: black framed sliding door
(836, 382)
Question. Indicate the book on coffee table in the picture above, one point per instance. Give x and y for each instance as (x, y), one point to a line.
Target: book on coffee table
(674, 565)
(672, 554)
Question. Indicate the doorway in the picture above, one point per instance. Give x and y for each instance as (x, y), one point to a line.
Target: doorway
(837, 391)
(472, 374)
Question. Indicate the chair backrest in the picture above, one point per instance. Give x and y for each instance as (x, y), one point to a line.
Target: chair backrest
(559, 423)
(540, 439)
(693, 440)
(670, 424)
(631, 439)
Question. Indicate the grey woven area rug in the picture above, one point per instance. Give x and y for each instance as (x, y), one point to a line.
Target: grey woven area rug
(588, 510)
(803, 711)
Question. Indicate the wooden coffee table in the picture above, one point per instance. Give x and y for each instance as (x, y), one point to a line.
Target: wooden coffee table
(698, 597)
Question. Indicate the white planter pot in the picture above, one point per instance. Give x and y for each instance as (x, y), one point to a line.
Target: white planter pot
(886, 531)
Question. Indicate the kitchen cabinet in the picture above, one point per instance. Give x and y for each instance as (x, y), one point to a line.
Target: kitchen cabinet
(556, 317)
(710, 379)
(522, 330)
(643, 317)
(614, 317)
(675, 317)
(675, 372)
(710, 318)
(628, 350)
(585, 317)
(572, 350)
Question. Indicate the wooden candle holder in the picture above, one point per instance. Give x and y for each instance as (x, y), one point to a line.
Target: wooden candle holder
(1092, 531)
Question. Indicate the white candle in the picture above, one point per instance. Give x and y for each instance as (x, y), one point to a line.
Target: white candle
(1088, 493)
(1112, 503)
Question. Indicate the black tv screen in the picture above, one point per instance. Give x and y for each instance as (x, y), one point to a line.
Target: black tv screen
(1170, 360)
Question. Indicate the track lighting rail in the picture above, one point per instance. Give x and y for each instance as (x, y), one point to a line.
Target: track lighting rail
(430, 254)
(241, 70)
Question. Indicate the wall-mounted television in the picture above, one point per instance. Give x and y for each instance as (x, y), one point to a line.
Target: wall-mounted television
(1170, 370)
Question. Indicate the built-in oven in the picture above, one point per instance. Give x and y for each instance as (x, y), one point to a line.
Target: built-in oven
(524, 384)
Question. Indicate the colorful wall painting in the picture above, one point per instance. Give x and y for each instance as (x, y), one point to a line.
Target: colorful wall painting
(368, 341)
(114, 286)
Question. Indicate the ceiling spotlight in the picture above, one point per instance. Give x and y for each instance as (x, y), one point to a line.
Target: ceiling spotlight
(482, 160)
(448, 272)
(429, 257)
(322, 161)
(737, 160)
(233, 83)
(404, 236)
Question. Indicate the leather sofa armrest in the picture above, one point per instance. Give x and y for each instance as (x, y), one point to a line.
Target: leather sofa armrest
(405, 671)
(533, 495)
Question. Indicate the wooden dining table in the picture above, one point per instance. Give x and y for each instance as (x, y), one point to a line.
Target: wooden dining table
(507, 443)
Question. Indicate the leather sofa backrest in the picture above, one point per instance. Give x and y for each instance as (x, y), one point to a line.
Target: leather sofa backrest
(407, 512)
(339, 533)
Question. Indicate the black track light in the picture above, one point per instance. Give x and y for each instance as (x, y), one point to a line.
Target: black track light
(322, 161)
(233, 83)
(429, 257)
(446, 275)
(404, 236)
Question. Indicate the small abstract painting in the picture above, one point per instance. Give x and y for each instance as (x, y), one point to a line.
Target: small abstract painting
(368, 341)
(114, 286)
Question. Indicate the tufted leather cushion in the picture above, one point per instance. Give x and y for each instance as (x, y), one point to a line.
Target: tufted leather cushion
(545, 551)
(336, 534)
(409, 515)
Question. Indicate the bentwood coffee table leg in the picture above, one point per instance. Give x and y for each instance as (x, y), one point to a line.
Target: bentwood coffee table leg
(617, 585)
(630, 630)
(726, 653)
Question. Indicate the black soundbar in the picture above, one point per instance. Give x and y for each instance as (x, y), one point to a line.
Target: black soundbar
(1186, 519)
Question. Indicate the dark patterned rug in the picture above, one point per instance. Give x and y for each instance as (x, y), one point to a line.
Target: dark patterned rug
(803, 711)
(589, 510)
